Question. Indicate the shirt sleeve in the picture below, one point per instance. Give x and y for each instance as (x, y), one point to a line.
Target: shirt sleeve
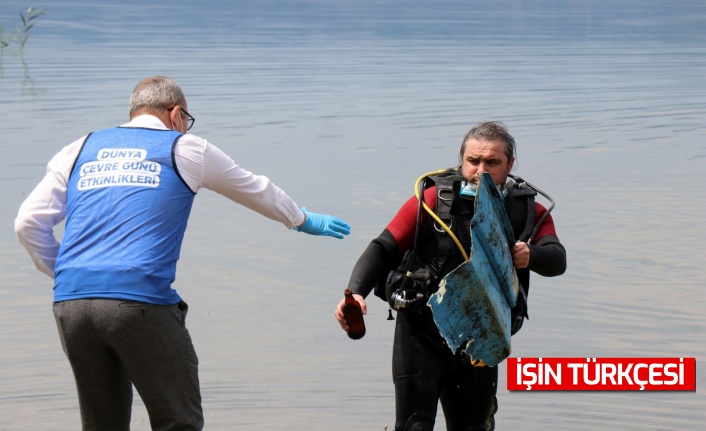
(44, 208)
(202, 164)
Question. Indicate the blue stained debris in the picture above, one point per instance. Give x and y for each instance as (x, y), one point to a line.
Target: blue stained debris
(472, 306)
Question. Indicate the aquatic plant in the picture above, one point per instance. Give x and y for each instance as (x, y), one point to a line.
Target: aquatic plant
(28, 22)
(3, 43)
(20, 36)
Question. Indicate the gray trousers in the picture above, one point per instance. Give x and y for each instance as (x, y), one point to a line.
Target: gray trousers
(113, 344)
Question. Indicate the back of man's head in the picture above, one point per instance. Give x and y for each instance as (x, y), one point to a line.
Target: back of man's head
(156, 93)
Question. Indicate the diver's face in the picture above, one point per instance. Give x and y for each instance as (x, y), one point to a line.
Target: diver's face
(485, 156)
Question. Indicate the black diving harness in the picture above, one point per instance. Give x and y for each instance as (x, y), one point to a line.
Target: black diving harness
(404, 286)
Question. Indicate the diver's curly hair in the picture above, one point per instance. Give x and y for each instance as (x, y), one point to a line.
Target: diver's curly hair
(489, 131)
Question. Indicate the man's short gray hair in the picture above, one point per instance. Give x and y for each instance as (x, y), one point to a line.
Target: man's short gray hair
(156, 93)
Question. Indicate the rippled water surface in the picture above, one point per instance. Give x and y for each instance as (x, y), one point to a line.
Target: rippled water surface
(344, 104)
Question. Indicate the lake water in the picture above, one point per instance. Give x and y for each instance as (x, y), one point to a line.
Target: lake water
(344, 104)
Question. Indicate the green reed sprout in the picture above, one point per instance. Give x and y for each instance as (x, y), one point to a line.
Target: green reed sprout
(3, 43)
(20, 36)
(28, 22)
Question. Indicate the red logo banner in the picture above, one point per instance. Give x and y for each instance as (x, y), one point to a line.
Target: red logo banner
(601, 374)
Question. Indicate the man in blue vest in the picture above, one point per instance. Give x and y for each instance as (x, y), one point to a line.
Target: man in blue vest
(126, 194)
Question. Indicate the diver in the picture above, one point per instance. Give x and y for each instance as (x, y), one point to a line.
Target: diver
(406, 262)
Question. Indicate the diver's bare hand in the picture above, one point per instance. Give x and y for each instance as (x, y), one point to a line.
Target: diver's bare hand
(338, 312)
(520, 255)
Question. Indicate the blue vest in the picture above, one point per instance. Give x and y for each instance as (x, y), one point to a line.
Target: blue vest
(127, 209)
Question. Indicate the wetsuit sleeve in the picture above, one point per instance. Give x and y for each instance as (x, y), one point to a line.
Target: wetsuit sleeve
(385, 252)
(547, 254)
(403, 226)
(548, 257)
(374, 264)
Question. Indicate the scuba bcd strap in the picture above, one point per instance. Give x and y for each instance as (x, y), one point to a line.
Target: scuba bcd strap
(402, 282)
(448, 188)
(407, 286)
(520, 208)
(531, 228)
(404, 286)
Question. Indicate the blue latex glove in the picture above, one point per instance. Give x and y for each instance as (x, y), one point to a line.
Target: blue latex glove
(322, 224)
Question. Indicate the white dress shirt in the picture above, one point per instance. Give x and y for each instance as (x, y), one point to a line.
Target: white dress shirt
(200, 164)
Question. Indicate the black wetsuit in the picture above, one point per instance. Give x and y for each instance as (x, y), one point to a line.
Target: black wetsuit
(425, 371)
